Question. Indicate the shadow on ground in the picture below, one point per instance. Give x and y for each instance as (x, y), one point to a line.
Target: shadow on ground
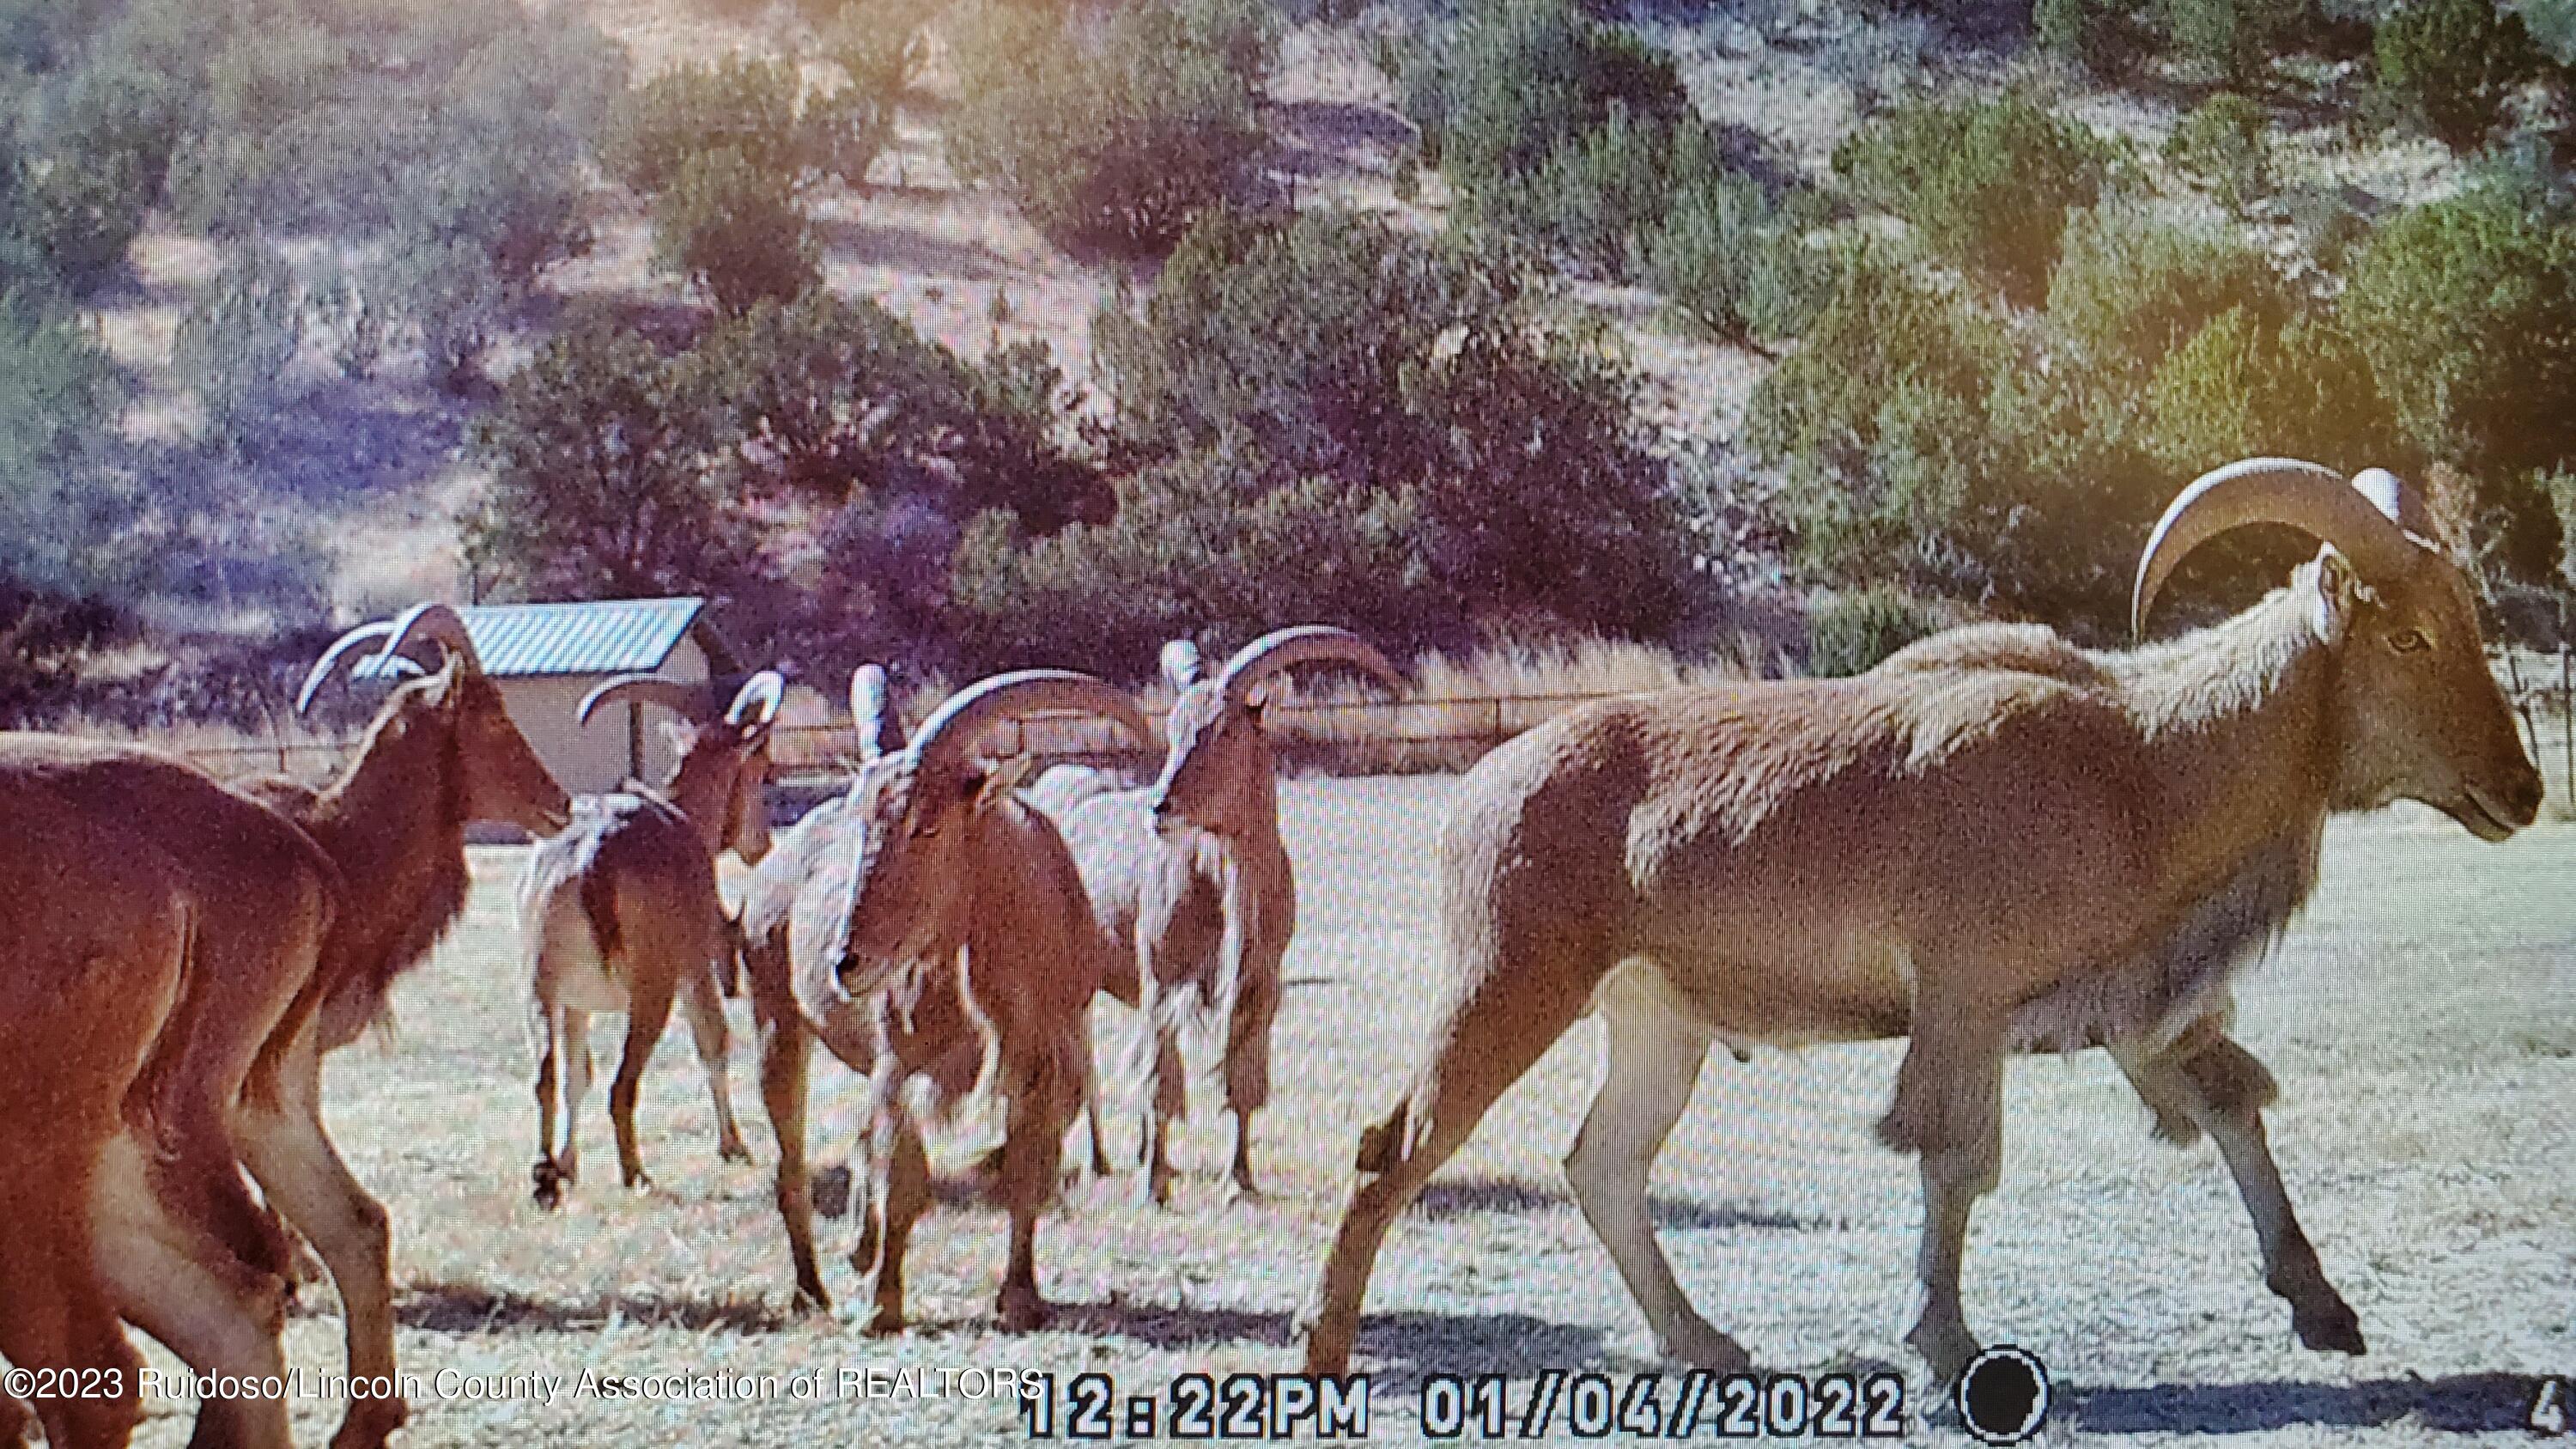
(475, 1308)
(1463, 1197)
(2460, 1404)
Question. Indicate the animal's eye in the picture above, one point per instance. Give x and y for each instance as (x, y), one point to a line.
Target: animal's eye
(2410, 642)
(924, 828)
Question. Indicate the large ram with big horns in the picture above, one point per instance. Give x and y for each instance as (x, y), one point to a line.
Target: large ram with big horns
(440, 754)
(1993, 842)
(1190, 877)
(620, 913)
(930, 928)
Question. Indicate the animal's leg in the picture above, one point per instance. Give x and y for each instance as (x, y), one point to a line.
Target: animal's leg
(2210, 1083)
(549, 1172)
(60, 1315)
(1650, 1059)
(902, 1195)
(1949, 1109)
(574, 1033)
(703, 999)
(1166, 1080)
(285, 1147)
(179, 1283)
(784, 1050)
(1493, 1029)
(1247, 1059)
(883, 1081)
(1100, 1164)
(648, 1011)
(1032, 1151)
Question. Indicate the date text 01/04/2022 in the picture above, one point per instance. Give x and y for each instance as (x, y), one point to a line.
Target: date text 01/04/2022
(1276, 1407)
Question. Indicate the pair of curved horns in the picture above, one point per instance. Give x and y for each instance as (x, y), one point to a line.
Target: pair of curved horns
(965, 716)
(2374, 519)
(757, 700)
(869, 710)
(417, 625)
(1283, 649)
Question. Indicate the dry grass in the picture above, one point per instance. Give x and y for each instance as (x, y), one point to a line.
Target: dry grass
(2417, 1019)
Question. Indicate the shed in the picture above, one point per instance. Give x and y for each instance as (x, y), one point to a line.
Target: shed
(545, 657)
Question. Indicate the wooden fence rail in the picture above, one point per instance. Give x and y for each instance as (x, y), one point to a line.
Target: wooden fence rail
(1358, 737)
(1412, 733)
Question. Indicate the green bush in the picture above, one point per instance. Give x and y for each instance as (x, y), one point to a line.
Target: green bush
(1517, 79)
(601, 486)
(447, 292)
(235, 342)
(2131, 287)
(839, 399)
(874, 45)
(2466, 310)
(2241, 388)
(1850, 633)
(734, 230)
(1557, 128)
(1217, 537)
(1111, 140)
(1923, 442)
(2453, 62)
(1338, 347)
(2103, 36)
(739, 103)
(1987, 184)
(1734, 263)
(2225, 144)
(59, 396)
(2231, 39)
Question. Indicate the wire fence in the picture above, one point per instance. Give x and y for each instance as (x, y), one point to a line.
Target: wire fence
(1358, 737)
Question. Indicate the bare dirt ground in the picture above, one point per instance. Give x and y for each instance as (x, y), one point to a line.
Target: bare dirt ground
(2420, 1020)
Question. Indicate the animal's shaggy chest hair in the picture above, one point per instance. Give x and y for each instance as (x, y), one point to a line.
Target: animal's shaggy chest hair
(2182, 972)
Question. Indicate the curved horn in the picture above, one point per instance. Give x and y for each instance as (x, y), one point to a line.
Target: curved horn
(436, 622)
(758, 698)
(684, 700)
(341, 654)
(1181, 664)
(2369, 530)
(954, 727)
(878, 728)
(1305, 644)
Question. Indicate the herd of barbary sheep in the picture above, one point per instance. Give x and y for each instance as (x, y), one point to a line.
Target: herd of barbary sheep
(1769, 862)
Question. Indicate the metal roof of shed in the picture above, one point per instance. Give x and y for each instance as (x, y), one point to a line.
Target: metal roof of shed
(603, 636)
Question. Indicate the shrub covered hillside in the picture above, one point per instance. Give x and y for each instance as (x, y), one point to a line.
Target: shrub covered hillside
(970, 333)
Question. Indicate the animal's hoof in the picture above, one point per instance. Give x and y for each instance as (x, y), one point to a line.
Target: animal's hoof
(733, 1151)
(1703, 1347)
(1326, 1352)
(1155, 1191)
(2330, 1327)
(1946, 1348)
(1023, 1312)
(370, 1423)
(810, 1301)
(1241, 1190)
(550, 1179)
(638, 1182)
(883, 1322)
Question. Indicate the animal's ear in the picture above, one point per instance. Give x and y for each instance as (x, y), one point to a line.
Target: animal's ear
(1004, 777)
(2340, 595)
